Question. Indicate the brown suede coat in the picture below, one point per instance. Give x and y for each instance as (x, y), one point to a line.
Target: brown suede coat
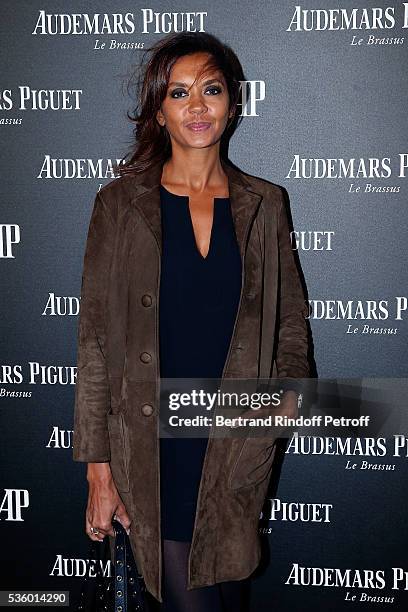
(117, 386)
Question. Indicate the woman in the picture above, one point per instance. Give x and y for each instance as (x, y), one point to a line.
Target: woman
(188, 272)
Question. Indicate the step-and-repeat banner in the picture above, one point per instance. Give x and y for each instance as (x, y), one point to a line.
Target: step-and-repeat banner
(325, 118)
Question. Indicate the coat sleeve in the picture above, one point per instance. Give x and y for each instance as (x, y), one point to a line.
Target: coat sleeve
(292, 349)
(92, 394)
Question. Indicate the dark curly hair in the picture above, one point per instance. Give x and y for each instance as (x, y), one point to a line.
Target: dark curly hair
(151, 141)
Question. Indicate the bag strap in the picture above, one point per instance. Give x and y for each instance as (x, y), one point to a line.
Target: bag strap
(130, 590)
(120, 567)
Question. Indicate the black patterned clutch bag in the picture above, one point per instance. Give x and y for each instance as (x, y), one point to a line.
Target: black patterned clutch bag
(124, 590)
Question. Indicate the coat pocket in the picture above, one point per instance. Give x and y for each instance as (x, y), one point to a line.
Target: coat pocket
(119, 461)
(254, 463)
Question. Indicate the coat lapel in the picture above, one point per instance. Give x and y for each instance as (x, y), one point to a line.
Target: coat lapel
(244, 201)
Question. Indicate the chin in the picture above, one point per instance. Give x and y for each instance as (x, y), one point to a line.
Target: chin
(200, 142)
(204, 140)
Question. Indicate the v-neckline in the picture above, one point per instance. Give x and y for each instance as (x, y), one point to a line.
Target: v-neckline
(186, 200)
(210, 242)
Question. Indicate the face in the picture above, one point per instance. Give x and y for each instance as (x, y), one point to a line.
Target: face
(195, 112)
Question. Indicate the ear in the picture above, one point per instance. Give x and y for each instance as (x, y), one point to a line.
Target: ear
(160, 118)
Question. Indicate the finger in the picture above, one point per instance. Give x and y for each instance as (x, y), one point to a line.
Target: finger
(123, 518)
(106, 527)
(96, 537)
(102, 531)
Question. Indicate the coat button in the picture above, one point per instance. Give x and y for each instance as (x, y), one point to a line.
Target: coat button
(145, 357)
(147, 300)
(147, 409)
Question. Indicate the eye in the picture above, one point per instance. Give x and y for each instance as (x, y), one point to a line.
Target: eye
(215, 88)
(175, 92)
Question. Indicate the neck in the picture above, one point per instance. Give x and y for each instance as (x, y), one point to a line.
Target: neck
(194, 170)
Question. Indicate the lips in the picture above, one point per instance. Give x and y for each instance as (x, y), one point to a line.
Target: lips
(198, 126)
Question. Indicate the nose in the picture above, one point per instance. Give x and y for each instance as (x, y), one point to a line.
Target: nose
(197, 104)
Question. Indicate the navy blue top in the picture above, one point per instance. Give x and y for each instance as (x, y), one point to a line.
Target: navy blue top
(197, 308)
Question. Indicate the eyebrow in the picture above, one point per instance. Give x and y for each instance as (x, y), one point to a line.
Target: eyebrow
(180, 84)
